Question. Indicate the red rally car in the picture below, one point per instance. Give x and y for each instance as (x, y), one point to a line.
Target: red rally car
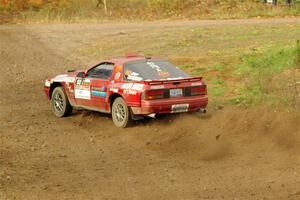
(129, 88)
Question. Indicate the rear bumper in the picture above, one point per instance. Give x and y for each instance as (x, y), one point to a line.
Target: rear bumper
(164, 106)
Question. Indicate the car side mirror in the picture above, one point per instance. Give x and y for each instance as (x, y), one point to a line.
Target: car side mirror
(81, 74)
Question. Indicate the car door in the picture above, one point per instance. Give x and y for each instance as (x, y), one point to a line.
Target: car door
(100, 77)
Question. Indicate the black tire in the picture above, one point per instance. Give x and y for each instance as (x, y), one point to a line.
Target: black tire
(61, 106)
(120, 113)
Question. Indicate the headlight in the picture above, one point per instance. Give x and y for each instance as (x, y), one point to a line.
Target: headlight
(47, 83)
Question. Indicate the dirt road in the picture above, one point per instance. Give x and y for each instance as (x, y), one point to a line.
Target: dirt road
(233, 153)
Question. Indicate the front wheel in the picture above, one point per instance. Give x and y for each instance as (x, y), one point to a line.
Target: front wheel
(120, 113)
(60, 104)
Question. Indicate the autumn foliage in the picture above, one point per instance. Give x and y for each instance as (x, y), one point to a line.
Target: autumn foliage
(144, 9)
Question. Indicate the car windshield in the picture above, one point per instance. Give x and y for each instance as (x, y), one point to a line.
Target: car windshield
(152, 70)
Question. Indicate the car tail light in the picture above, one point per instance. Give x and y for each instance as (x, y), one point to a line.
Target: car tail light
(154, 94)
(199, 90)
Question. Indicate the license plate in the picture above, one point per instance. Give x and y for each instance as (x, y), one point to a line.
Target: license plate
(178, 108)
(175, 92)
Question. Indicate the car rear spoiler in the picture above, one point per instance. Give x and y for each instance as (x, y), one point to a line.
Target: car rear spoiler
(181, 80)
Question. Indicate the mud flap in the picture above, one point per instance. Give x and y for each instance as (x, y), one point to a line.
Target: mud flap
(135, 117)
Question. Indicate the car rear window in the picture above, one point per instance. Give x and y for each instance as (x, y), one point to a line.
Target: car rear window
(152, 70)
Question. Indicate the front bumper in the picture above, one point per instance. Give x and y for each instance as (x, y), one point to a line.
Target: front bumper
(164, 106)
(47, 92)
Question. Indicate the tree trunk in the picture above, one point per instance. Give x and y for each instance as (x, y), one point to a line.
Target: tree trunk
(105, 7)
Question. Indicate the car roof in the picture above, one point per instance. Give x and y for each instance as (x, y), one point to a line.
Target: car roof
(125, 59)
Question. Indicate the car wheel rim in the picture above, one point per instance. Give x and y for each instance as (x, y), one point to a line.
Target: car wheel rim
(58, 102)
(120, 113)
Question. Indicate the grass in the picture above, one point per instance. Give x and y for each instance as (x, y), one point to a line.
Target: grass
(217, 87)
(217, 90)
(266, 80)
(218, 68)
(241, 64)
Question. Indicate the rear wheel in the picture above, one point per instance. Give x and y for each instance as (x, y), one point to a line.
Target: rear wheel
(60, 104)
(120, 113)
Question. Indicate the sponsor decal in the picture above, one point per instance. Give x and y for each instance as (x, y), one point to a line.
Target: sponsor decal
(79, 81)
(163, 74)
(134, 74)
(133, 86)
(98, 93)
(154, 66)
(127, 86)
(96, 89)
(82, 92)
(134, 78)
(137, 86)
(132, 92)
(117, 75)
(118, 68)
(115, 90)
(196, 84)
(86, 82)
(130, 75)
(69, 87)
(101, 89)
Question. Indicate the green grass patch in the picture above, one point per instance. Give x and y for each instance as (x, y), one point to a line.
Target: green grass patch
(237, 100)
(218, 82)
(265, 80)
(217, 91)
(217, 88)
(218, 68)
(188, 66)
(198, 71)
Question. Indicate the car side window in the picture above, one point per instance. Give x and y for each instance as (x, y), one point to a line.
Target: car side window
(102, 71)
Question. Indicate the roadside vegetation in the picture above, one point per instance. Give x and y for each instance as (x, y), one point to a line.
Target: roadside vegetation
(242, 65)
(271, 77)
(98, 10)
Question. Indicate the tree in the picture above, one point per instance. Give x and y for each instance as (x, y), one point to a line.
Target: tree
(102, 2)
